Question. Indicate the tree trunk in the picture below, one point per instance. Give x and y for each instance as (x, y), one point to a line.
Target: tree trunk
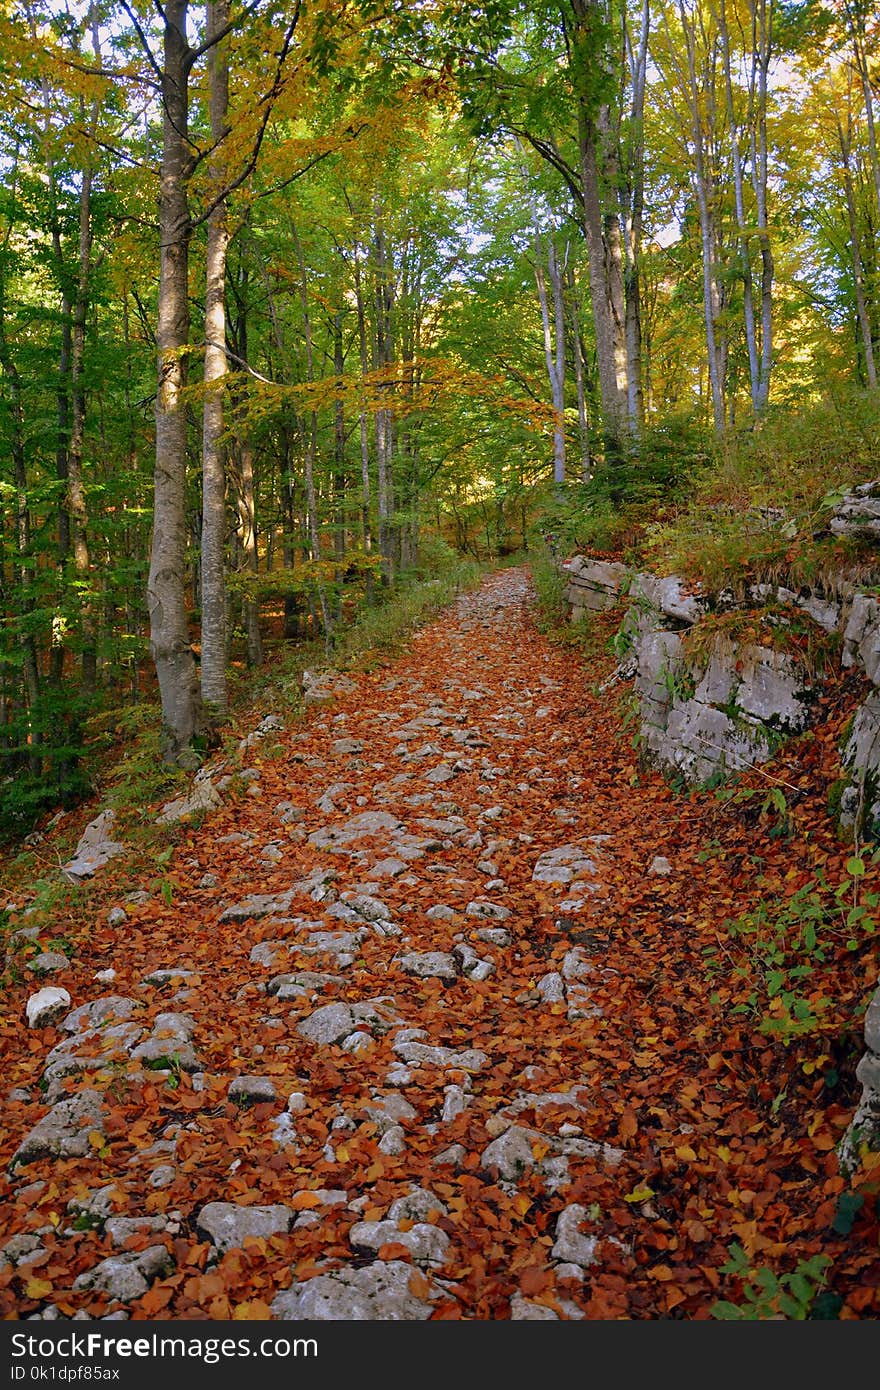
(214, 638)
(169, 635)
(761, 49)
(739, 202)
(864, 322)
(707, 228)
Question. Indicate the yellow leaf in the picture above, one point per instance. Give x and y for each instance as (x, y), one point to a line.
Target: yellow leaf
(255, 1310)
(685, 1153)
(521, 1204)
(342, 1154)
(96, 1139)
(37, 1288)
(642, 1193)
(723, 1153)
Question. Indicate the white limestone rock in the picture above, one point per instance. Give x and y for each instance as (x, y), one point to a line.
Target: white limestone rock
(46, 1005)
(95, 849)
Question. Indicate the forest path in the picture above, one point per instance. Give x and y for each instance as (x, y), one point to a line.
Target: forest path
(440, 1041)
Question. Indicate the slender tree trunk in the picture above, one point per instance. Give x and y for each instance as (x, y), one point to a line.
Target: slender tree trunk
(169, 635)
(24, 563)
(862, 315)
(580, 378)
(739, 201)
(761, 49)
(75, 482)
(383, 424)
(310, 449)
(366, 523)
(214, 638)
(554, 348)
(707, 228)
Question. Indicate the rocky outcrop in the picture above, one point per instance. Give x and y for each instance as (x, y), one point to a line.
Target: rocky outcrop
(858, 512)
(710, 705)
(863, 1133)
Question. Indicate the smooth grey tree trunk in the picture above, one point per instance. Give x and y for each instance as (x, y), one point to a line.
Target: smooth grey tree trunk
(214, 625)
(166, 592)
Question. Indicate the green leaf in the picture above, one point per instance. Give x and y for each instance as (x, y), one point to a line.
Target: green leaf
(849, 1204)
(855, 866)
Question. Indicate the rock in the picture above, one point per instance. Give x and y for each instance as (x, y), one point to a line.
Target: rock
(494, 936)
(19, 1248)
(366, 825)
(660, 865)
(523, 1310)
(128, 1276)
(668, 596)
(116, 917)
(258, 905)
(377, 1292)
(389, 1110)
(327, 1025)
(95, 849)
(442, 773)
(121, 1228)
(429, 965)
(453, 1156)
(428, 1245)
(166, 975)
(252, 1090)
(860, 759)
(417, 1205)
(319, 687)
(99, 1012)
(563, 865)
(357, 1043)
(863, 1133)
(47, 962)
(46, 1006)
(393, 1141)
(97, 1206)
(483, 908)
(289, 813)
(593, 585)
(105, 977)
(551, 988)
(571, 1245)
(347, 746)
(65, 1131)
(162, 1176)
(858, 513)
(469, 1059)
(202, 799)
(227, 1225)
(388, 868)
(576, 964)
(284, 1131)
(861, 637)
(454, 1103)
(511, 1153)
(440, 913)
(271, 723)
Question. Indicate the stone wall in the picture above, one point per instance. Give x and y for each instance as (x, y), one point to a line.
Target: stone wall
(702, 718)
(705, 717)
